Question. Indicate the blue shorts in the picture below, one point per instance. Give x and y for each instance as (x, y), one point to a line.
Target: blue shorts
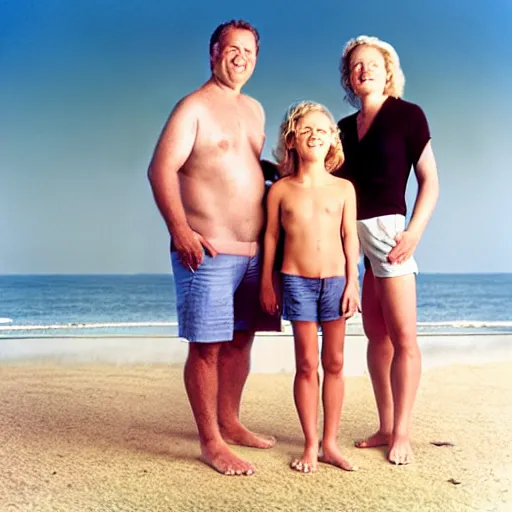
(220, 297)
(311, 299)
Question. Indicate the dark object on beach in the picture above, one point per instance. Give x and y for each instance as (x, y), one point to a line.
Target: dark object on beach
(441, 443)
(454, 482)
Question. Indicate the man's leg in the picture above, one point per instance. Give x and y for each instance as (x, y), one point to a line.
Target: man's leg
(233, 367)
(379, 357)
(201, 383)
(398, 301)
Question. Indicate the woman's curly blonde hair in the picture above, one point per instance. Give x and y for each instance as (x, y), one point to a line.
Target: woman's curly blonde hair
(286, 155)
(395, 81)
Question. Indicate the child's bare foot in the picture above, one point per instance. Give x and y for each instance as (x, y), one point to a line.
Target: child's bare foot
(220, 458)
(332, 455)
(375, 440)
(400, 451)
(308, 463)
(240, 435)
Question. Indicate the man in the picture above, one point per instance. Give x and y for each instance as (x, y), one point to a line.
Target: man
(209, 186)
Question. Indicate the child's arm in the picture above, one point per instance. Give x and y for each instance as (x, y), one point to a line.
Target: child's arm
(267, 293)
(350, 300)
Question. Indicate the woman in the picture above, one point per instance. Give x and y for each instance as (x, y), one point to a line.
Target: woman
(382, 141)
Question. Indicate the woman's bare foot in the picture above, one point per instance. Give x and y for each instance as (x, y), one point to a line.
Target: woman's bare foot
(241, 436)
(375, 440)
(223, 460)
(400, 451)
(332, 455)
(308, 463)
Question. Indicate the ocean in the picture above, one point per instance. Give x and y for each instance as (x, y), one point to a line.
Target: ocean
(78, 305)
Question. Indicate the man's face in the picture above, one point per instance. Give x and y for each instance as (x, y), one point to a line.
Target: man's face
(235, 58)
(367, 71)
(313, 137)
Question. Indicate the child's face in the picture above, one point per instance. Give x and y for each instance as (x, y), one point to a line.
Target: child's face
(313, 137)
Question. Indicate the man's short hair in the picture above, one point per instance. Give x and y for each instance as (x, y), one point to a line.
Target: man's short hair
(223, 28)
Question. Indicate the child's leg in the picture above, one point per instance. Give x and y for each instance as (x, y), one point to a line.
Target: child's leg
(305, 391)
(333, 338)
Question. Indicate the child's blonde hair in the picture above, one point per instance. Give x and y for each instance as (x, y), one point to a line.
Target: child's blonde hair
(395, 76)
(286, 155)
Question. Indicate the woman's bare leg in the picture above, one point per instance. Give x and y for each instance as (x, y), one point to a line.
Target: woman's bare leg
(379, 357)
(398, 301)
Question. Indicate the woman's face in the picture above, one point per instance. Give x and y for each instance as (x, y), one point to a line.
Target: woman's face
(368, 73)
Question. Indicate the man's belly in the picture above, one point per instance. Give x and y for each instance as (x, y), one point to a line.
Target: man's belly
(244, 225)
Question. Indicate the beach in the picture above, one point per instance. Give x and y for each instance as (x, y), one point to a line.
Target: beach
(84, 431)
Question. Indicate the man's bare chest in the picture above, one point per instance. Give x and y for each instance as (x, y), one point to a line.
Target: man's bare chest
(230, 130)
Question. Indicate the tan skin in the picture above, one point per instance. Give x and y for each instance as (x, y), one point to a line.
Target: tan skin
(207, 183)
(389, 304)
(318, 214)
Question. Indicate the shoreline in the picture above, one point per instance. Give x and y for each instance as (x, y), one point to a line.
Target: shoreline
(272, 353)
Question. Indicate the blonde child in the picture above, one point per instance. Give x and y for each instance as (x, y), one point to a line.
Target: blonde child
(317, 213)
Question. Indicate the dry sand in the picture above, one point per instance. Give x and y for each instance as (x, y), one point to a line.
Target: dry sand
(107, 437)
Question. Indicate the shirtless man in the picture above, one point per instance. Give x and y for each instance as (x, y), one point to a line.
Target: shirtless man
(317, 213)
(209, 186)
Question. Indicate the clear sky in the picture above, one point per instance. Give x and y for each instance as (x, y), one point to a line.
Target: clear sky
(86, 86)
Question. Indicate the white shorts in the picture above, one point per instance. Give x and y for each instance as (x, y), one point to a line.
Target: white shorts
(377, 238)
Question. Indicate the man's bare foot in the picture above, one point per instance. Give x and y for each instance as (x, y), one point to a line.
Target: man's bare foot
(308, 463)
(375, 440)
(239, 435)
(332, 455)
(220, 458)
(400, 451)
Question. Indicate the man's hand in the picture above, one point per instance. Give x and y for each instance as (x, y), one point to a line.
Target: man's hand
(350, 300)
(406, 243)
(189, 246)
(268, 299)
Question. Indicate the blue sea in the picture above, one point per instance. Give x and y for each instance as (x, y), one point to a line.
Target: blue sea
(57, 305)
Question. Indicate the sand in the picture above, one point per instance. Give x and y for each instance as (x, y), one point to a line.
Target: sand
(101, 436)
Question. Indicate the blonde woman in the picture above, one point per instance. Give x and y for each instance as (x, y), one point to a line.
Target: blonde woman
(317, 213)
(382, 141)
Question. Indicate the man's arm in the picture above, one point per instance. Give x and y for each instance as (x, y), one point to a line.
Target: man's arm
(259, 113)
(172, 151)
(268, 297)
(428, 192)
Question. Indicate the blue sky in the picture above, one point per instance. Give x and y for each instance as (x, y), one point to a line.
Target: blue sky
(87, 85)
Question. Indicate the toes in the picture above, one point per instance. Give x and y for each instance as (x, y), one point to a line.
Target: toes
(302, 466)
(401, 459)
(298, 465)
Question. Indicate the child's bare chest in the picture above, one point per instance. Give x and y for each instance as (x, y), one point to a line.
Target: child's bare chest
(320, 205)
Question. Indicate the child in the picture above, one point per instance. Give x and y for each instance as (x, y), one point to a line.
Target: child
(317, 213)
